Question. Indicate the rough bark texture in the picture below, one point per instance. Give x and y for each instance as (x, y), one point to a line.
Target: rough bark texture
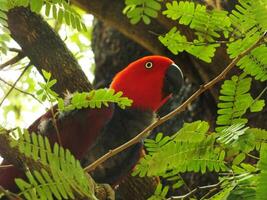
(46, 50)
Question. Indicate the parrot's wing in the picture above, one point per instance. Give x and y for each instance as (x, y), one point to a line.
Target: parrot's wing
(78, 129)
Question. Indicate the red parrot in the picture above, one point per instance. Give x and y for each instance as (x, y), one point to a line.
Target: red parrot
(149, 82)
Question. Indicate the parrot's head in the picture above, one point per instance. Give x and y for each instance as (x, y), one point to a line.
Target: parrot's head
(149, 81)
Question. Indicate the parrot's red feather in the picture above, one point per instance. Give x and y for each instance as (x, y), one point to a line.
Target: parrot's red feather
(143, 85)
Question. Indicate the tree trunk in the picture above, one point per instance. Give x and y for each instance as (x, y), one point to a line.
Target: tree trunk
(46, 50)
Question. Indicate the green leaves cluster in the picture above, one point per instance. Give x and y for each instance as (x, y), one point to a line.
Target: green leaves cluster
(95, 99)
(235, 100)
(189, 150)
(262, 185)
(59, 9)
(46, 92)
(194, 149)
(137, 10)
(177, 42)
(255, 64)
(59, 175)
(248, 22)
(239, 29)
(208, 25)
(79, 100)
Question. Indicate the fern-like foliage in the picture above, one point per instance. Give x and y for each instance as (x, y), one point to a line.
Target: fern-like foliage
(255, 63)
(79, 100)
(262, 185)
(232, 133)
(240, 186)
(207, 25)
(61, 175)
(59, 9)
(95, 99)
(235, 100)
(160, 192)
(240, 144)
(176, 43)
(249, 22)
(195, 153)
(137, 10)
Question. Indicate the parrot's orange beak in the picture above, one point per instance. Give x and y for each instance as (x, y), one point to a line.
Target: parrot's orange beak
(173, 80)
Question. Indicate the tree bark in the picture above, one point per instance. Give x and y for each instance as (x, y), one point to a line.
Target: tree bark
(46, 50)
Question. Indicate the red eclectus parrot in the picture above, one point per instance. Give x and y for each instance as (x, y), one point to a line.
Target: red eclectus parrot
(90, 133)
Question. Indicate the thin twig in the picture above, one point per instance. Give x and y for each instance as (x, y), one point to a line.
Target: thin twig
(5, 166)
(185, 184)
(10, 90)
(195, 190)
(13, 60)
(252, 156)
(10, 195)
(262, 92)
(24, 92)
(179, 109)
(15, 50)
(55, 124)
(209, 193)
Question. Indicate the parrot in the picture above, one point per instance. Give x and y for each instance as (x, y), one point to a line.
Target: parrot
(90, 133)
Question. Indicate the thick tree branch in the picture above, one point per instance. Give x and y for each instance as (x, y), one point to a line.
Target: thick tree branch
(176, 111)
(46, 50)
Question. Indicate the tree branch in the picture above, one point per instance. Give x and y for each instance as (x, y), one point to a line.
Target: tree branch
(13, 60)
(24, 92)
(46, 50)
(179, 109)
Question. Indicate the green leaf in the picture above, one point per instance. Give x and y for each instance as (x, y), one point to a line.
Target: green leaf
(58, 173)
(239, 158)
(46, 74)
(261, 189)
(257, 106)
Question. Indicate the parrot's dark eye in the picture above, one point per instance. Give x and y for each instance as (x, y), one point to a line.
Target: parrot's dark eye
(149, 65)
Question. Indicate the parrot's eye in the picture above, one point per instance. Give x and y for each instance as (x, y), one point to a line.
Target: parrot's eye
(149, 65)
